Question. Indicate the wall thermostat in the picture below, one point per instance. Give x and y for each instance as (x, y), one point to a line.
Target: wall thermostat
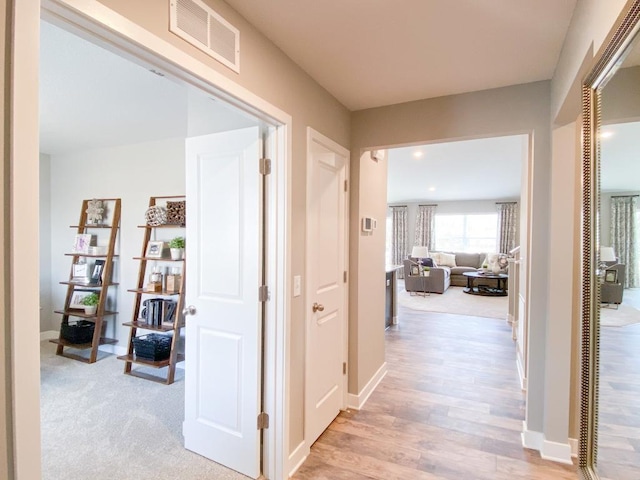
(369, 224)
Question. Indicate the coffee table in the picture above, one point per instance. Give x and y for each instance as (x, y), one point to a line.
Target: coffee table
(499, 290)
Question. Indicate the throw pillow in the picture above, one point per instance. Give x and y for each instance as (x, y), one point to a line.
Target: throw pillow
(427, 262)
(447, 260)
(436, 257)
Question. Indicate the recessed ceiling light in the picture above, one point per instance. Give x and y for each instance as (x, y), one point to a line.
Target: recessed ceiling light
(418, 154)
(432, 189)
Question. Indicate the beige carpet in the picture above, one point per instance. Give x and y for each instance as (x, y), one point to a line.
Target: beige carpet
(455, 301)
(100, 424)
(624, 315)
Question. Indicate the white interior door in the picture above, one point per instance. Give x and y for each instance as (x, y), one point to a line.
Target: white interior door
(326, 289)
(223, 271)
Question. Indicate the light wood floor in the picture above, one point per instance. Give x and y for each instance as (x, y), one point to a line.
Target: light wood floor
(450, 407)
(619, 417)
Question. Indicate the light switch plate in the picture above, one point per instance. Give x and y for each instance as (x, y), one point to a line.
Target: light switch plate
(297, 285)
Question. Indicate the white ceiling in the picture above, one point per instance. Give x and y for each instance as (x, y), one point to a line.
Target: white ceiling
(92, 98)
(479, 169)
(369, 53)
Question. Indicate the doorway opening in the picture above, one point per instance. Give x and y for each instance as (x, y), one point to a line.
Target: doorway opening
(140, 154)
(454, 200)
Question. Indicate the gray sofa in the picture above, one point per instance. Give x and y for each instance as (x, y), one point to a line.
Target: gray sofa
(441, 277)
(465, 262)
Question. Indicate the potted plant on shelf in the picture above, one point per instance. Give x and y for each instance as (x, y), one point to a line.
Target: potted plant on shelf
(176, 245)
(425, 271)
(90, 303)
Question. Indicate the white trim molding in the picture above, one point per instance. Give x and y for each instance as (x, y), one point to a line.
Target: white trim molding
(553, 451)
(357, 401)
(297, 457)
(531, 439)
(556, 452)
(573, 443)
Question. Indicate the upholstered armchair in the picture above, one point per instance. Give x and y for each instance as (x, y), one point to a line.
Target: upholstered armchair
(438, 280)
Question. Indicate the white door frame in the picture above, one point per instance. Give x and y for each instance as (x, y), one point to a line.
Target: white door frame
(89, 17)
(317, 137)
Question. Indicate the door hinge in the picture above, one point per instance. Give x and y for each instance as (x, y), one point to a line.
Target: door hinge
(344, 368)
(263, 421)
(344, 276)
(345, 185)
(265, 166)
(263, 293)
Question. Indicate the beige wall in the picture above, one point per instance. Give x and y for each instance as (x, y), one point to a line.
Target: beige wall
(620, 98)
(367, 287)
(589, 28)
(562, 229)
(268, 73)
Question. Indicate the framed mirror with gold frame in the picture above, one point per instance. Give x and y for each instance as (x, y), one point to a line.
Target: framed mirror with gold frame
(619, 53)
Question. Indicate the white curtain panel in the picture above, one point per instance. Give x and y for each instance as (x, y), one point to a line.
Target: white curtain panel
(624, 236)
(425, 226)
(399, 234)
(508, 219)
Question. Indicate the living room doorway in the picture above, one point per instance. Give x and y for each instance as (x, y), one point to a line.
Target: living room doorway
(452, 198)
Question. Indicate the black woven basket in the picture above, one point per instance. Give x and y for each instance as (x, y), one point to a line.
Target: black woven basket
(80, 332)
(152, 346)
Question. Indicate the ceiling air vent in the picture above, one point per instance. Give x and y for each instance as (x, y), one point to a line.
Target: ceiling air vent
(203, 28)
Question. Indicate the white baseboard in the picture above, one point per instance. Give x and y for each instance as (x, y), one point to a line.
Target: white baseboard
(553, 451)
(49, 335)
(356, 402)
(573, 443)
(297, 458)
(556, 452)
(531, 439)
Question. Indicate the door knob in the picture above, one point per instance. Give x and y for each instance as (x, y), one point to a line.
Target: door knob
(317, 307)
(190, 310)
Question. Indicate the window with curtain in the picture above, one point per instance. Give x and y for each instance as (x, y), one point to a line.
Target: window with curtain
(508, 219)
(473, 233)
(425, 226)
(624, 236)
(399, 235)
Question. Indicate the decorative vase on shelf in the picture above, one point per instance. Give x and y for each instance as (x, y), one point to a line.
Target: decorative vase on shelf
(496, 269)
(177, 253)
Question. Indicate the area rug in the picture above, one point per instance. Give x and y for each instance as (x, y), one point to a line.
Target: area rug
(455, 301)
(622, 316)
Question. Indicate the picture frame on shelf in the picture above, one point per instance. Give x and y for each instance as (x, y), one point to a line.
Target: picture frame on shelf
(611, 276)
(96, 274)
(415, 270)
(80, 273)
(82, 242)
(77, 297)
(155, 249)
